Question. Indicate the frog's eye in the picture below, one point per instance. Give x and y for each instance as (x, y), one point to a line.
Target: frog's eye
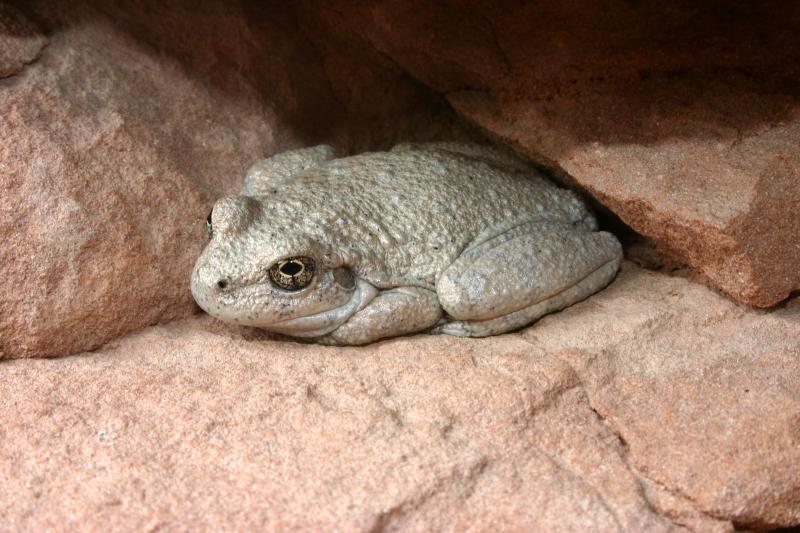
(209, 227)
(293, 273)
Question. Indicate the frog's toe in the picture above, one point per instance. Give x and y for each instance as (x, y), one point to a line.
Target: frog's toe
(483, 328)
(458, 328)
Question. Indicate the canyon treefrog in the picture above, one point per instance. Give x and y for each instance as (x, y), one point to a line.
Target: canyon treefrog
(453, 238)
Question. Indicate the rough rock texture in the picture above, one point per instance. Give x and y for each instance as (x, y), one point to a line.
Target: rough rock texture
(682, 117)
(20, 41)
(654, 405)
(136, 117)
(651, 406)
(704, 392)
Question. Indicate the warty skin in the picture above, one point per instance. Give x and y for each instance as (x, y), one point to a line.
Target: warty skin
(452, 238)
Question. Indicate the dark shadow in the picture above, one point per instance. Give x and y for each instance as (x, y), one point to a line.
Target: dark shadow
(356, 101)
(13, 25)
(613, 71)
(616, 71)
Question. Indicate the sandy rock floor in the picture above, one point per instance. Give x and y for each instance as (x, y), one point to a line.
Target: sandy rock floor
(655, 405)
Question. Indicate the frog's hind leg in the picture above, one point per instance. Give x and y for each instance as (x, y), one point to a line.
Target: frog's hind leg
(509, 281)
(392, 312)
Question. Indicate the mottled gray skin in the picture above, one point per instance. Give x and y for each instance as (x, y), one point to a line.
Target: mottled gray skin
(454, 238)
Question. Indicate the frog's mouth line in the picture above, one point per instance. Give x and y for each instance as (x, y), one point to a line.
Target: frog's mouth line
(324, 322)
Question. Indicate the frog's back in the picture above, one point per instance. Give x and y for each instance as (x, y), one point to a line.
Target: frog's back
(422, 188)
(414, 211)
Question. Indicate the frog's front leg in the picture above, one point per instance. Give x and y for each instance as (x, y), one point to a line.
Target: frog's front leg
(268, 174)
(509, 281)
(397, 311)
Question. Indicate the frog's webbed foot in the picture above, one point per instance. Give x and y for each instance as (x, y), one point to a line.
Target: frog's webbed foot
(392, 312)
(268, 174)
(509, 281)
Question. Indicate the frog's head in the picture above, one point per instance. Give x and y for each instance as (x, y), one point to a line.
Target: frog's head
(269, 268)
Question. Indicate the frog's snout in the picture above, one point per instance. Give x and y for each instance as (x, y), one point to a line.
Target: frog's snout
(210, 281)
(203, 284)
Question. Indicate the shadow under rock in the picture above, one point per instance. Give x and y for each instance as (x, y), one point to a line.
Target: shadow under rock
(615, 71)
(250, 49)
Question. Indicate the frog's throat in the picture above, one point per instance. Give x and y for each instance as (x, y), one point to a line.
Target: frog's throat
(323, 323)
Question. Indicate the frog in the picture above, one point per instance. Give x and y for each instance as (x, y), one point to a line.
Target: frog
(450, 238)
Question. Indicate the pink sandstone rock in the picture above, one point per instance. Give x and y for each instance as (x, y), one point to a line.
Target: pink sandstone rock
(137, 117)
(655, 405)
(704, 392)
(682, 118)
(722, 200)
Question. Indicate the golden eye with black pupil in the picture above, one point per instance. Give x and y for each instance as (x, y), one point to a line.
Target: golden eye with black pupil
(292, 273)
(208, 223)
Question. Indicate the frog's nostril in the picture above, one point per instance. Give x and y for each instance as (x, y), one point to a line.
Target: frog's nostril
(223, 283)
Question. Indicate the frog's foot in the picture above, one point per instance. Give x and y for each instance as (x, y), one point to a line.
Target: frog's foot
(392, 312)
(509, 281)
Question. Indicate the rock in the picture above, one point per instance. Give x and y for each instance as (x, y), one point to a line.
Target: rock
(683, 120)
(723, 201)
(189, 425)
(704, 392)
(653, 405)
(20, 41)
(137, 117)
